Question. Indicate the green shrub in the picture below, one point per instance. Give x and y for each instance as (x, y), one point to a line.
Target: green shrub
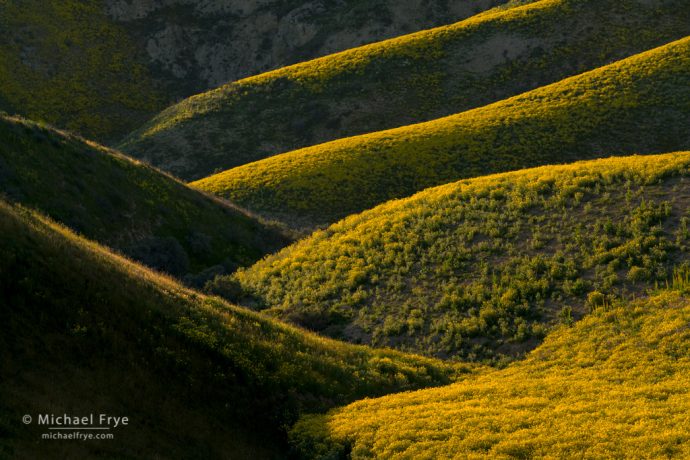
(456, 273)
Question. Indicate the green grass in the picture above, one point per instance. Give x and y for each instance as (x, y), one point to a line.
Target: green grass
(87, 331)
(65, 62)
(481, 269)
(413, 78)
(127, 205)
(103, 67)
(640, 104)
(613, 386)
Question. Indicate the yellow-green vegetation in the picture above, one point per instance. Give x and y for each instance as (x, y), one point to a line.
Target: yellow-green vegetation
(87, 331)
(417, 77)
(102, 67)
(640, 104)
(65, 62)
(616, 385)
(127, 205)
(480, 269)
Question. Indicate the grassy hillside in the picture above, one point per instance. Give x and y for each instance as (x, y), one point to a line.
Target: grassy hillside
(640, 104)
(67, 63)
(102, 67)
(480, 269)
(613, 386)
(127, 205)
(86, 331)
(410, 79)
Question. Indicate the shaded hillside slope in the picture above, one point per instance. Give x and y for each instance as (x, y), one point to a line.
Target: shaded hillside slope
(65, 62)
(614, 386)
(126, 204)
(206, 44)
(86, 331)
(638, 105)
(406, 80)
(102, 67)
(481, 268)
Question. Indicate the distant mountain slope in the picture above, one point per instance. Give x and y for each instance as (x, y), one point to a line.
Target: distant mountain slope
(126, 204)
(406, 80)
(614, 386)
(101, 67)
(481, 268)
(638, 105)
(86, 331)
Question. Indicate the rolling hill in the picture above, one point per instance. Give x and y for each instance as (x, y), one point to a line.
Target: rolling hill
(470, 241)
(87, 331)
(637, 105)
(413, 78)
(102, 67)
(613, 386)
(482, 268)
(127, 205)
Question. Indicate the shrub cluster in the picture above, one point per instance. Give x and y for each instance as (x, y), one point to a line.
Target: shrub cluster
(479, 269)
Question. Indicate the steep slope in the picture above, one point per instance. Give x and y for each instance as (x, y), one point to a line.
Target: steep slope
(207, 44)
(481, 268)
(101, 67)
(640, 104)
(86, 331)
(406, 80)
(126, 204)
(614, 386)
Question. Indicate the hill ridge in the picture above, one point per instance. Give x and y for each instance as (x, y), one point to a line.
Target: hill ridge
(88, 330)
(409, 79)
(480, 269)
(637, 105)
(127, 204)
(103, 67)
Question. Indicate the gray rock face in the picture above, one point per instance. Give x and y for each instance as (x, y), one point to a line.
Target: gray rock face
(203, 44)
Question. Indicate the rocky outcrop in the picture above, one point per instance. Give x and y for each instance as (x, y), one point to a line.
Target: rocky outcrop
(201, 45)
(103, 67)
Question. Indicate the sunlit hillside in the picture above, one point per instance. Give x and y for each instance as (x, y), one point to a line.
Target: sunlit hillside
(127, 205)
(86, 331)
(410, 79)
(103, 67)
(616, 385)
(480, 269)
(396, 229)
(638, 105)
